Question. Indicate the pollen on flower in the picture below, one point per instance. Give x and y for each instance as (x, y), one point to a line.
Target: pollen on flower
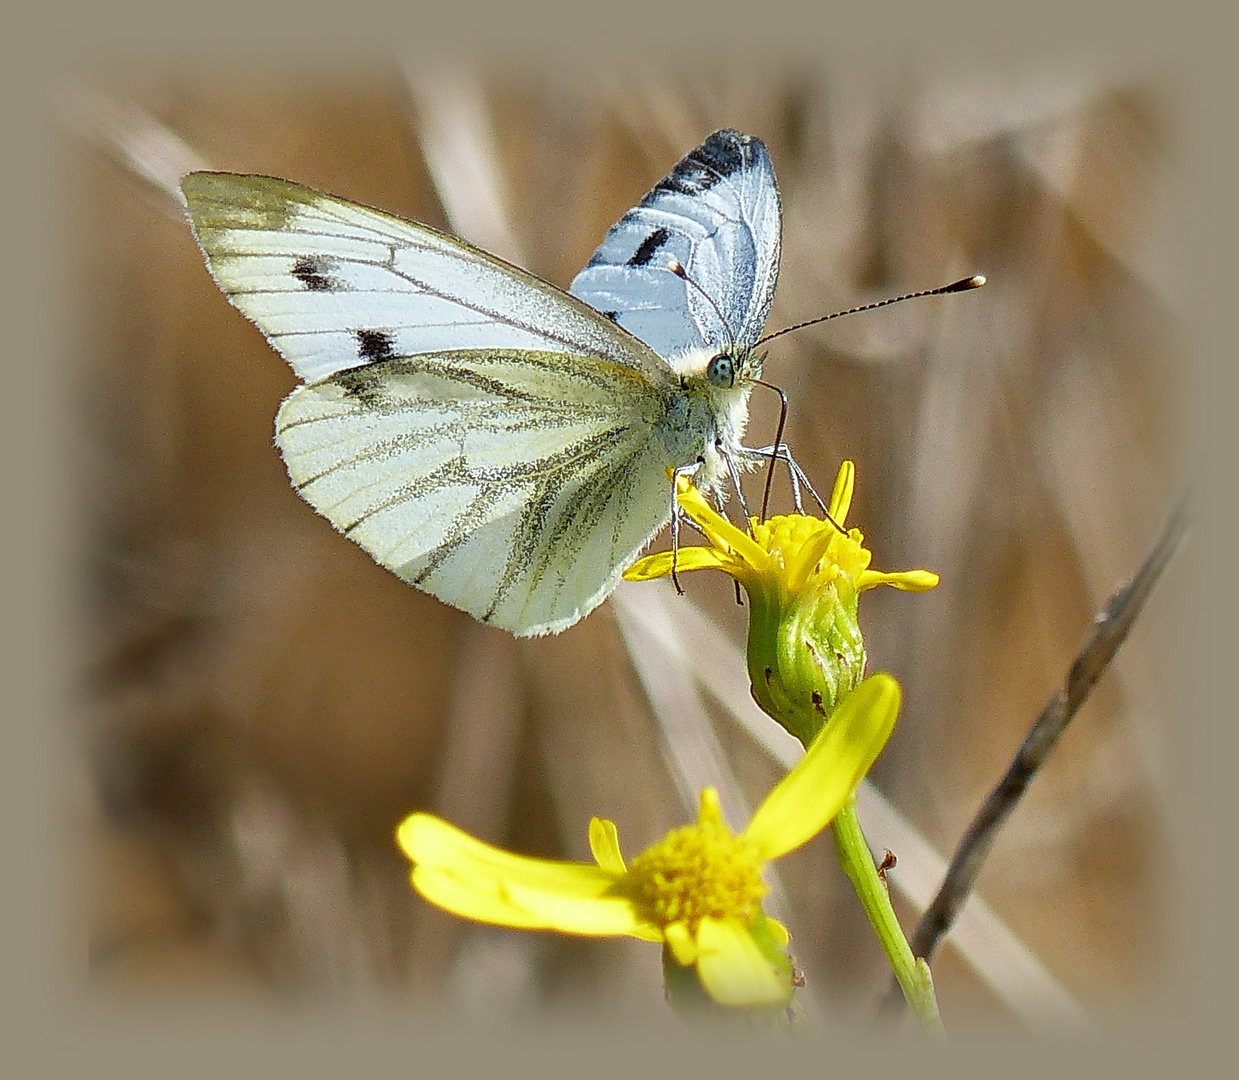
(786, 532)
(698, 871)
(788, 537)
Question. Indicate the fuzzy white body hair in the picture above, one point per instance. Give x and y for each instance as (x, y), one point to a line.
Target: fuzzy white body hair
(705, 422)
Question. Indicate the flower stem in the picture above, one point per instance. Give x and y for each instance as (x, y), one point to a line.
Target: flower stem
(912, 974)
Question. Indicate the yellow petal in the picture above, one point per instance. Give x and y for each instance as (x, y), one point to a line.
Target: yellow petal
(733, 968)
(710, 810)
(907, 580)
(433, 844)
(604, 843)
(477, 881)
(841, 497)
(596, 916)
(681, 943)
(689, 558)
(804, 558)
(808, 797)
(508, 903)
(718, 530)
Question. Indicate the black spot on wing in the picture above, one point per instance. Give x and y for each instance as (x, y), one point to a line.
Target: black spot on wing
(317, 273)
(687, 178)
(646, 249)
(375, 345)
(612, 315)
(723, 154)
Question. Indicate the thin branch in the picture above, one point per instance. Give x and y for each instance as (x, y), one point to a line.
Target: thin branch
(1110, 629)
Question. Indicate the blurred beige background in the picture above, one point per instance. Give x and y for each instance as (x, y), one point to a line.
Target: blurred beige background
(262, 703)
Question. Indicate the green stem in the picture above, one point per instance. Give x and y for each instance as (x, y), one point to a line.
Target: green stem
(912, 973)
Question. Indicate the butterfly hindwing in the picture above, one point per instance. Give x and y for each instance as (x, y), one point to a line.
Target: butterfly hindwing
(512, 484)
(718, 214)
(334, 285)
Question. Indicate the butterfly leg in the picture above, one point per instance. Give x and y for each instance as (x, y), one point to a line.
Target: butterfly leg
(735, 483)
(748, 520)
(798, 475)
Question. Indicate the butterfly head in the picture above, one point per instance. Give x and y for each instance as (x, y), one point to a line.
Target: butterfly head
(722, 371)
(733, 365)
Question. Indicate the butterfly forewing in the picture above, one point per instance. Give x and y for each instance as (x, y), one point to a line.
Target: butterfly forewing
(718, 214)
(334, 285)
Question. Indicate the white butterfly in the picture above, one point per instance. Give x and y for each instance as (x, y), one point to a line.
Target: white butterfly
(493, 440)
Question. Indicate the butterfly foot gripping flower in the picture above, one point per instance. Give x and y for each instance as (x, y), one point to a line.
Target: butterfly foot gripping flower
(804, 576)
(698, 890)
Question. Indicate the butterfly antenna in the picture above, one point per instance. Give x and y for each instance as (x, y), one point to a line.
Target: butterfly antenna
(677, 268)
(963, 285)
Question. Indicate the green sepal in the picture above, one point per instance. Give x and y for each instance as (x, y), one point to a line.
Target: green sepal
(804, 656)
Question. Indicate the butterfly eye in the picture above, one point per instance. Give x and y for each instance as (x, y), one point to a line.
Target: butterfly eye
(721, 371)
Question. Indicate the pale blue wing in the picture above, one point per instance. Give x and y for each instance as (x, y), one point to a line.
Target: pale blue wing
(718, 214)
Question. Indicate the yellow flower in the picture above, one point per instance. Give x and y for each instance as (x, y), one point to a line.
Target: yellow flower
(804, 577)
(698, 890)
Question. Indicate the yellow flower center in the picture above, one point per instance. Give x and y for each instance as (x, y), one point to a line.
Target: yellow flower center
(699, 871)
(807, 548)
(787, 532)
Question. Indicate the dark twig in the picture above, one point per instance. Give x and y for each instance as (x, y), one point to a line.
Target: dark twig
(1110, 628)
